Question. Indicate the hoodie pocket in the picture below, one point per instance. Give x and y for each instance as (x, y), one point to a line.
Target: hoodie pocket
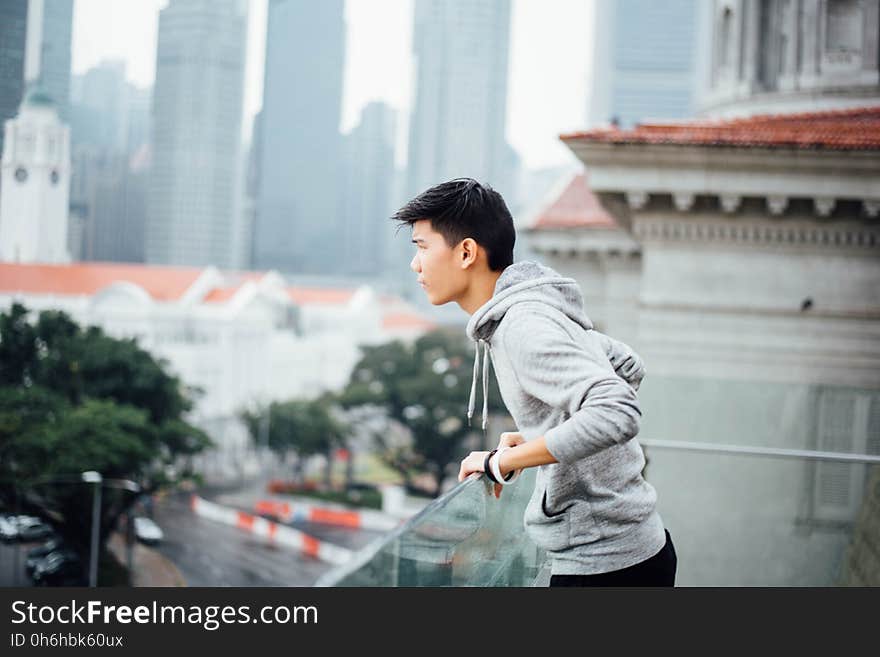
(583, 524)
(547, 528)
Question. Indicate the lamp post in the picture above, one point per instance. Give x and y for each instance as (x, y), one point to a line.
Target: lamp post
(95, 478)
(92, 477)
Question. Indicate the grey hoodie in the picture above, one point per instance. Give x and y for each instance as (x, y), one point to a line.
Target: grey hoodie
(592, 511)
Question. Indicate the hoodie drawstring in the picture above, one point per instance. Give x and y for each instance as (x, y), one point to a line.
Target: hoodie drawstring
(472, 401)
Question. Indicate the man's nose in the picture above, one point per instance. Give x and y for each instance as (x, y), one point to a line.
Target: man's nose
(414, 264)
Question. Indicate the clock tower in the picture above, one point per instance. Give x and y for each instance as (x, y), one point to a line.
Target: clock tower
(35, 184)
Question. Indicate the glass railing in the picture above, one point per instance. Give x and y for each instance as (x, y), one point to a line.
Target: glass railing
(466, 537)
(759, 484)
(739, 516)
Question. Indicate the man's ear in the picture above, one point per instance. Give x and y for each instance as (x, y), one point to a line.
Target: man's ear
(468, 254)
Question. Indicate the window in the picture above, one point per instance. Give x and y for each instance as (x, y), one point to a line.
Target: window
(848, 422)
(843, 26)
(726, 39)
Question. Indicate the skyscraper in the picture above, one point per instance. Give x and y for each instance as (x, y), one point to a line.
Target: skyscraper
(368, 187)
(643, 61)
(54, 18)
(298, 210)
(109, 120)
(98, 115)
(459, 117)
(197, 110)
(13, 33)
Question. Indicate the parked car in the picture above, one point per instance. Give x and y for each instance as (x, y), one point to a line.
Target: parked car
(24, 529)
(34, 531)
(147, 531)
(59, 568)
(6, 524)
(37, 554)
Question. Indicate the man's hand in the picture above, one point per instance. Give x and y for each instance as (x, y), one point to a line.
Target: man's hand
(474, 461)
(471, 463)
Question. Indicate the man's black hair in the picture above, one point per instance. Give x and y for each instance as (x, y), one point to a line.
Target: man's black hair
(464, 208)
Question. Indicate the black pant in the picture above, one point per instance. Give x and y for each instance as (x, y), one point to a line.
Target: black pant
(659, 570)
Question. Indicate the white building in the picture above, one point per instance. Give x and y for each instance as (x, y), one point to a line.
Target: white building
(744, 266)
(243, 338)
(789, 56)
(36, 184)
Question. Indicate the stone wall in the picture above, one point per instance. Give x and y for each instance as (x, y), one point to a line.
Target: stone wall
(862, 564)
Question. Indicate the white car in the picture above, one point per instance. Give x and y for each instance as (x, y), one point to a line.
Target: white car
(147, 531)
(23, 528)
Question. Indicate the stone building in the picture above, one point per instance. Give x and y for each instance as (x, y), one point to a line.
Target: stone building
(743, 264)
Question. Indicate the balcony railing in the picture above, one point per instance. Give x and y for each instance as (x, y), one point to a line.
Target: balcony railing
(739, 516)
(466, 537)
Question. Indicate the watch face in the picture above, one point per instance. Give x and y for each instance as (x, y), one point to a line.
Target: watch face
(21, 174)
(54, 177)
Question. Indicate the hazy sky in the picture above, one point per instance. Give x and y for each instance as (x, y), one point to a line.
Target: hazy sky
(549, 61)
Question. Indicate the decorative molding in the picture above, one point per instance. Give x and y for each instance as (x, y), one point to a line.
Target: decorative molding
(777, 204)
(850, 236)
(824, 206)
(730, 202)
(872, 208)
(636, 199)
(684, 201)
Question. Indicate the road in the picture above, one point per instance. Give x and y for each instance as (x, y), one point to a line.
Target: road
(208, 553)
(12, 557)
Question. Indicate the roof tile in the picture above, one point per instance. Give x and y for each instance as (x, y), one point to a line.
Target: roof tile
(849, 130)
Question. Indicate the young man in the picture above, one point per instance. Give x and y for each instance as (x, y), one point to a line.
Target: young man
(570, 390)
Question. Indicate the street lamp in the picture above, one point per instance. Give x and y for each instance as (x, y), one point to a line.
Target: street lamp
(92, 477)
(89, 477)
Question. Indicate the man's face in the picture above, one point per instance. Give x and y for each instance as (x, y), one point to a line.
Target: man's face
(439, 267)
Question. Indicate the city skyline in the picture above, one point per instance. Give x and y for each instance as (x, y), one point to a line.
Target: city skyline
(544, 37)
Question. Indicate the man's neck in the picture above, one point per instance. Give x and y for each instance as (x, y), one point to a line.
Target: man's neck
(480, 291)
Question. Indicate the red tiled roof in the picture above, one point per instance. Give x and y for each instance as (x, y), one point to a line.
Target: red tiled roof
(849, 129)
(234, 280)
(221, 294)
(85, 279)
(306, 295)
(575, 207)
(406, 321)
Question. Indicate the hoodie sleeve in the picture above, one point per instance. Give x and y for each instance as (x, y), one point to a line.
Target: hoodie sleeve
(575, 376)
(624, 360)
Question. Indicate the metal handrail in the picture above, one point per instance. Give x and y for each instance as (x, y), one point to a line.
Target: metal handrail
(746, 450)
(364, 555)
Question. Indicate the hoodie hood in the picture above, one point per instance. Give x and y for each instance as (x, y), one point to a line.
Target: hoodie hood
(519, 282)
(528, 281)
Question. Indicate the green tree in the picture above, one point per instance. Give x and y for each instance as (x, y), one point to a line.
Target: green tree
(300, 426)
(73, 400)
(424, 387)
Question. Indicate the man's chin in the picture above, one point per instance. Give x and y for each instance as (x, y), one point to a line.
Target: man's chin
(435, 301)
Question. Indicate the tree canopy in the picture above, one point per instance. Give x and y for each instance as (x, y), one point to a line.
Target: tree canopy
(74, 400)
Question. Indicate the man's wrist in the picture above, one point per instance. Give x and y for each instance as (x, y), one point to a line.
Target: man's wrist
(497, 475)
(502, 454)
